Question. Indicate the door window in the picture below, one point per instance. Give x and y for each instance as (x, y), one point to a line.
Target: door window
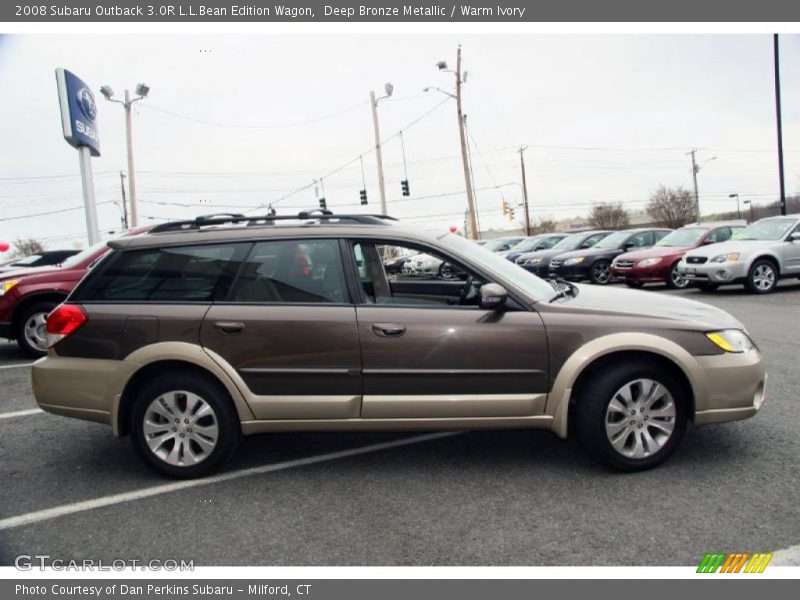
(293, 271)
(641, 240)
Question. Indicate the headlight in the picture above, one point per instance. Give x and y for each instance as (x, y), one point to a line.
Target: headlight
(533, 261)
(732, 257)
(649, 262)
(573, 261)
(731, 340)
(7, 285)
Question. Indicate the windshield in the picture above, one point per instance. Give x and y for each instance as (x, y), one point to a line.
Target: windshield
(682, 237)
(526, 245)
(493, 245)
(28, 260)
(76, 259)
(766, 229)
(571, 242)
(493, 263)
(615, 240)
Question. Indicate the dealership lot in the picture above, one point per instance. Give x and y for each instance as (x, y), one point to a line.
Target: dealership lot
(485, 498)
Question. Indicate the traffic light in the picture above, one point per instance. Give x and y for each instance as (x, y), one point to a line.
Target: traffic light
(363, 195)
(404, 185)
(322, 204)
(505, 207)
(510, 213)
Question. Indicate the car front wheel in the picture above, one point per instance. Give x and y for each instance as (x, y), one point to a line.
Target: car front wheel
(600, 273)
(631, 416)
(675, 280)
(762, 277)
(183, 425)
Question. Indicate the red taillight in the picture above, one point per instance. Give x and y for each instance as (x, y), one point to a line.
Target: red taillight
(64, 319)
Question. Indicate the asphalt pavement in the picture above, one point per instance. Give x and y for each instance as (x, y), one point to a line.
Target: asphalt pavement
(471, 498)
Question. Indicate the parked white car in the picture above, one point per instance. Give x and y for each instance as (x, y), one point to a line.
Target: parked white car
(757, 256)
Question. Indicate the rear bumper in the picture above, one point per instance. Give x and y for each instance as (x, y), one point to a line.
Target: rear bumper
(61, 386)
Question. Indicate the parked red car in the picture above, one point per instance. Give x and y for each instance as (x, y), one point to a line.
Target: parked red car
(27, 296)
(657, 264)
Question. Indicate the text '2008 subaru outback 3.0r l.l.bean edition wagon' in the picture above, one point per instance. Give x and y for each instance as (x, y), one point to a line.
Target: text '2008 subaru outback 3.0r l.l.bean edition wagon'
(203, 331)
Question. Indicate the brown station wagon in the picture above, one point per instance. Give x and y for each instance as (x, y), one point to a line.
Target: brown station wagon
(203, 331)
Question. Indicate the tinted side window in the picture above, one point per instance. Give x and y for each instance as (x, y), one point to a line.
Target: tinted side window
(592, 240)
(292, 271)
(657, 235)
(185, 274)
(720, 235)
(644, 238)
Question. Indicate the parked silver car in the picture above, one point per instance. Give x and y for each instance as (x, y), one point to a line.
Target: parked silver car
(757, 256)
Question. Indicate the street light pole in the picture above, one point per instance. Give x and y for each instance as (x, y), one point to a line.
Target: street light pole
(779, 120)
(124, 202)
(141, 91)
(525, 191)
(738, 212)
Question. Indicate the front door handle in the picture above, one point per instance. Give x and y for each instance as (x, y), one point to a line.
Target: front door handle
(388, 329)
(229, 327)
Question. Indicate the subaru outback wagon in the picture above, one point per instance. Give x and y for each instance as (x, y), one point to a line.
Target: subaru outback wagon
(203, 331)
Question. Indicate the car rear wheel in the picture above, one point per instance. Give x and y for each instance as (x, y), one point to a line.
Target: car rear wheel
(631, 416)
(600, 273)
(762, 277)
(675, 280)
(32, 331)
(183, 425)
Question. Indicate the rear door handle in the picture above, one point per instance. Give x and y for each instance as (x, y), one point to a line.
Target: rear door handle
(388, 329)
(229, 327)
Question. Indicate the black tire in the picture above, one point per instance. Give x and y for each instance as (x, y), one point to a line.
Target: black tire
(27, 340)
(707, 287)
(637, 285)
(224, 413)
(675, 281)
(591, 416)
(600, 272)
(762, 278)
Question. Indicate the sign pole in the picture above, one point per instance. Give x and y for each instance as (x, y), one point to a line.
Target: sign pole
(89, 205)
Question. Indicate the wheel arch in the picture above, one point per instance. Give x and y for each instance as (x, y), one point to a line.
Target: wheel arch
(766, 256)
(585, 361)
(174, 356)
(26, 302)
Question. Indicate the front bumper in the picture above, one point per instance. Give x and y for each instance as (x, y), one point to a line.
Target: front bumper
(540, 269)
(577, 272)
(652, 274)
(717, 273)
(735, 387)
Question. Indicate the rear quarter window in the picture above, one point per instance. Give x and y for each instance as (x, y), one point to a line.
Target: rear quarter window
(173, 274)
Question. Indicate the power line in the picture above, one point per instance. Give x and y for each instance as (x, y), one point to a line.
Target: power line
(51, 212)
(241, 126)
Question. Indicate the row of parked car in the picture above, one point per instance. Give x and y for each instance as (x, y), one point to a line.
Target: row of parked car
(703, 254)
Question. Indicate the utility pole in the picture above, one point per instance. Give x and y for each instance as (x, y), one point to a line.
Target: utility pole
(124, 202)
(525, 191)
(738, 212)
(694, 183)
(378, 154)
(472, 176)
(141, 91)
(473, 223)
(776, 54)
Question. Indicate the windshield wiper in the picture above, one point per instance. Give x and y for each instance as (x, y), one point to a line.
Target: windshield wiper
(562, 292)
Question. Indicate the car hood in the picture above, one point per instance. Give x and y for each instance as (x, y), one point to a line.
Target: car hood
(743, 246)
(15, 273)
(589, 252)
(650, 305)
(654, 252)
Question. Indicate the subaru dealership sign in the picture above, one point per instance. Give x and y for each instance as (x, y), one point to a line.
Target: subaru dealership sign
(78, 111)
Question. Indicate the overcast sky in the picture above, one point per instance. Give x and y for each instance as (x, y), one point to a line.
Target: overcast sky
(605, 118)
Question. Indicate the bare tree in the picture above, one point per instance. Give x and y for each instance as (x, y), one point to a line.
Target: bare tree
(26, 247)
(671, 207)
(609, 216)
(544, 224)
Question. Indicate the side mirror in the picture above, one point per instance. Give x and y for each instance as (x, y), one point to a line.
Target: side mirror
(708, 242)
(627, 246)
(493, 296)
(795, 237)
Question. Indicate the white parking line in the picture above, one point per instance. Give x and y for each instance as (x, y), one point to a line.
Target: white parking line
(16, 366)
(69, 509)
(21, 413)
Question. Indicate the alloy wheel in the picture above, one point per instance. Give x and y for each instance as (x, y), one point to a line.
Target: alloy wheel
(35, 331)
(764, 277)
(601, 272)
(640, 419)
(678, 280)
(180, 428)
